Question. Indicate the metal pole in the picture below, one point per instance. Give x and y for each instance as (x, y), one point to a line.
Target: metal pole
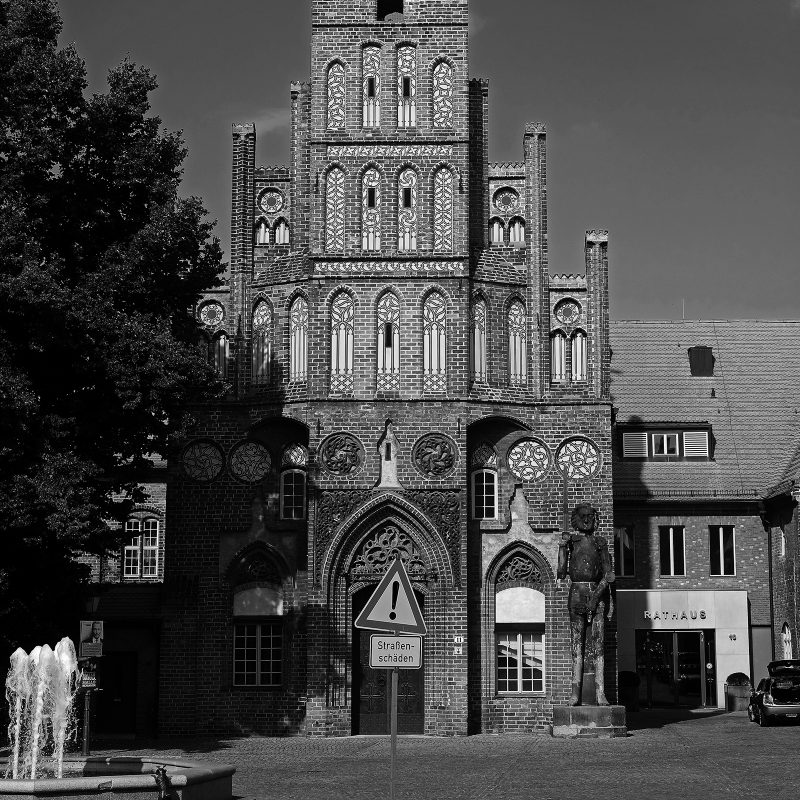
(87, 715)
(393, 723)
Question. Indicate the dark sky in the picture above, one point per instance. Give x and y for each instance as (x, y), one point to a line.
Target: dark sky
(675, 124)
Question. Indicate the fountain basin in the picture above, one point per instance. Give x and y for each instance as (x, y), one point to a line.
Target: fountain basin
(128, 778)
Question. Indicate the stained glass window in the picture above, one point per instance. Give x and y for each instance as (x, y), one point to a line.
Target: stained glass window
(337, 98)
(579, 356)
(406, 87)
(342, 317)
(262, 232)
(558, 357)
(281, 232)
(443, 210)
(407, 210)
(298, 339)
(262, 341)
(479, 341)
(434, 314)
(442, 95)
(372, 86)
(334, 211)
(388, 343)
(517, 345)
(371, 210)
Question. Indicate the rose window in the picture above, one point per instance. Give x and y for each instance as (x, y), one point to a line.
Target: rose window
(250, 462)
(202, 461)
(529, 460)
(506, 200)
(567, 312)
(578, 458)
(212, 314)
(271, 201)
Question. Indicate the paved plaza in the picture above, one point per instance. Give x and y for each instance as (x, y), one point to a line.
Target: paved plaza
(666, 755)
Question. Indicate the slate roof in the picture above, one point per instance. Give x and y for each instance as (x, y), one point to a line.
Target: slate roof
(754, 413)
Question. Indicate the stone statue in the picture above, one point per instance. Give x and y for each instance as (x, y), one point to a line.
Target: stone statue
(585, 558)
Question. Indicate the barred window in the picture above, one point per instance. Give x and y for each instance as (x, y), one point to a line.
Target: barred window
(434, 318)
(257, 654)
(140, 556)
(342, 318)
(262, 342)
(298, 340)
(517, 345)
(388, 324)
(479, 341)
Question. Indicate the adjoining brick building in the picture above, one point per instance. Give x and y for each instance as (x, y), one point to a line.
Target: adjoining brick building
(407, 378)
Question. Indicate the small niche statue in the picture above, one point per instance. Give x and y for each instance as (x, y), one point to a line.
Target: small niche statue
(585, 558)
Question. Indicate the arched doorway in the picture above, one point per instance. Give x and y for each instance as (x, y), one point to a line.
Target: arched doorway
(371, 695)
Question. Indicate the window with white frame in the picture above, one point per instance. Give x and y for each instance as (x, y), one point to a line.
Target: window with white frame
(558, 357)
(407, 210)
(371, 210)
(140, 556)
(517, 345)
(666, 445)
(298, 340)
(434, 343)
(579, 356)
(520, 640)
(371, 69)
(479, 341)
(516, 231)
(484, 494)
(496, 231)
(342, 331)
(722, 550)
(262, 342)
(281, 232)
(672, 555)
(388, 343)
(258, 654)
(624, 552)
(220, 351)
(406, 86)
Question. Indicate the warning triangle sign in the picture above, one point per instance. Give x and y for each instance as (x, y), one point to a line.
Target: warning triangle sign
(393, 606)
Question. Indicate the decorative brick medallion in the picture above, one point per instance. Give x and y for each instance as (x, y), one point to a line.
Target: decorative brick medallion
(434, 455)
(203, 461)
(341, 454)
(250, 462)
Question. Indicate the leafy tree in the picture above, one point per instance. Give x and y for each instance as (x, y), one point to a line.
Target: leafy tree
(101, 263)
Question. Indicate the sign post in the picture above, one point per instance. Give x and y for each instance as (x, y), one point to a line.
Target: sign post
(393, 608)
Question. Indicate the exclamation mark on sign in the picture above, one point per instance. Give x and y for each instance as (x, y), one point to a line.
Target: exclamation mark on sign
(395, 591)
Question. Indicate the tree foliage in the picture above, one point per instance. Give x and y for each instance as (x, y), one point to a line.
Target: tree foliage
(101, 263)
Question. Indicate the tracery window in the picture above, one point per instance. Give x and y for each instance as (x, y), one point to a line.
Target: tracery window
(479, 341)
(516, 231)
(221, 352)
(298, 340)
(443, 210)
(342, 318)
(388, 343)
(406, 87)
(371, 61)
(442, 95)
(407, 210)
(140, 556)
(262, 342)
(262, 232)
(281, 232)
(337, 97)
(558, 357)
(434, 320)
(517, 345)
(579, 356)
(496, 231)
(334, 211)
(371, 210)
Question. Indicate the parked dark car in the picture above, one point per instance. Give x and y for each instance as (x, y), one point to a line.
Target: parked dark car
(777, 697)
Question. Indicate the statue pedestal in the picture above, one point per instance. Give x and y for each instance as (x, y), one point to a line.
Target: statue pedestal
(589, 722)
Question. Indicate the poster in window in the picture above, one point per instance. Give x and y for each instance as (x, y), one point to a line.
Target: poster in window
(91, 638)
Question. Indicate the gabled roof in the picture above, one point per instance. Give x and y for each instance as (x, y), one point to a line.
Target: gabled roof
(752, 403)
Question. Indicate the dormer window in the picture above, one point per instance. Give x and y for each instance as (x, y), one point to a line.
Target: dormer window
(701, 361)
(666, 445)
(387, 7)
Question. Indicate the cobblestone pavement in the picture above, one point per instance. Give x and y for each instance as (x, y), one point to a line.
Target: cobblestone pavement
(666, 755)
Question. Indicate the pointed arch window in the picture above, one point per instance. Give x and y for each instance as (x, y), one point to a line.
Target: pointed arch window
(334, 211)
(298, 340)
(558, 357)
(443, 95)
(406, 87)
(443, 211)
(388, 343)
(479, 341)
(579, 356)
(262, 342)
(496, 231)
(281, 232)
(434, 318)
(371, 69)
(262, 232)
(221, 352)
(516, 231)
(371, 210)
(407, 210)
(517, 345)
(342, 318)
(337, 96)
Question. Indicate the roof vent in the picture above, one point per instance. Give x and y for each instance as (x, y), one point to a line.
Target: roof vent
(386, 8)
(701, 361)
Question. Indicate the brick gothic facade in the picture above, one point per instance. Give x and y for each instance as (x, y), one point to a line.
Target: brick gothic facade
(387, 332)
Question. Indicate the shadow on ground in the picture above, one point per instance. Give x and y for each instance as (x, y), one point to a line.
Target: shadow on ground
(661, 717)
